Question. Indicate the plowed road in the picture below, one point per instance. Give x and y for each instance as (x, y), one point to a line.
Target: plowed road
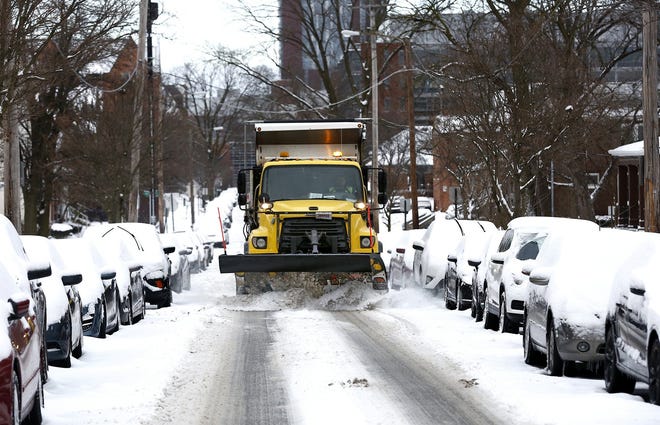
(315, 367)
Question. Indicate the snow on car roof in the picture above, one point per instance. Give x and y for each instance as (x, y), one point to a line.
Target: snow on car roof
(548, 222)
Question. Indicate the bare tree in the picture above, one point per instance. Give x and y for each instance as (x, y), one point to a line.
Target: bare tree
(86, 34)
(529, 84)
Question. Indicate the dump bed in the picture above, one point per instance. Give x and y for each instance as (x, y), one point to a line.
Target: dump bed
(309, 140)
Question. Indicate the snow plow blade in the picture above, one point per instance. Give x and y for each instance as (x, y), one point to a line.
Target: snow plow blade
(295, 263)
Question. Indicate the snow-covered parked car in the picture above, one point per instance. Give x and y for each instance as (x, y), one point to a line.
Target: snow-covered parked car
(442, 236)
(26, 274)
(20, 361)
(98, 290)
(64, 331)
(120, 250)
(460, 273)
(506, 291)
(400, 270)
(632, 348)
(180, 268)
(480, 261)
(153, 258)
(569, 286)
(196, 254)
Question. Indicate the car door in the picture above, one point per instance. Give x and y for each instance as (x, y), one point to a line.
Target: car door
(636, 328)
(494, 274)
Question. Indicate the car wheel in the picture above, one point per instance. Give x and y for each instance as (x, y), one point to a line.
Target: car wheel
(34, 417)
(615, 380)
(532, 356)
(15, 400)
(44, 350)
(104, 319)
(571, 369)
(130, 310)
(654, 372)
(115, 326)
(479, 308)
(450, 305)
(504, 323)
(555, 364)
(66, 361)
(490, 319)
(460, 304)
(143, 310)
(78, 349)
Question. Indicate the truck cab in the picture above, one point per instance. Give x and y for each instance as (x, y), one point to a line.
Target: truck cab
(306, 203)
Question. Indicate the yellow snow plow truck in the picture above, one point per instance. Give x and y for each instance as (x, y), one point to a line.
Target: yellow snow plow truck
(308, 223)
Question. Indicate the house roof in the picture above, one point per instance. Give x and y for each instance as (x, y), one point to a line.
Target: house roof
(630, 150)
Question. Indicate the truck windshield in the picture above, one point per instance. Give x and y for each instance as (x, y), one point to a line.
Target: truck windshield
(312, 182)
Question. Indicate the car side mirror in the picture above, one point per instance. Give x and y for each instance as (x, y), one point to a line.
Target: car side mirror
(71, 279)
(637, 289)
(497, 258)
(20, 307)
(169, 249)
(418, 245)
(452, 258)
(474, 263)
(108, 275)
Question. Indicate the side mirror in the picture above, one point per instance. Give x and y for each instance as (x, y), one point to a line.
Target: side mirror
(540, 276)
(38, 271)
(169, 249)
(382, 198)
(452, 258)
(71, 279)
(20, 307)
(474, 263)
(637, 288)
(382, 183)
(418, 245)
(241, 183)
(108, 275)
(497, 258)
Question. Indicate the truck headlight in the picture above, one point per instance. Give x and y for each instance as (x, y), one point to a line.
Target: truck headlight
(366, 241)
(360, 206)
(259, 242)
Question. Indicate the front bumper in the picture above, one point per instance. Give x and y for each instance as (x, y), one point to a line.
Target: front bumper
(590, 340)
(350, 263)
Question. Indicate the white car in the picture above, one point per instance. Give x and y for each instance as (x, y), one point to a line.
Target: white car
(430, 261)
(461, 272)
(632, 347)
(480, 261)
(505, 290)
(569, 286)
(402, 254)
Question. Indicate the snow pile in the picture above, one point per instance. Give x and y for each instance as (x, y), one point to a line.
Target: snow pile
(351, 296)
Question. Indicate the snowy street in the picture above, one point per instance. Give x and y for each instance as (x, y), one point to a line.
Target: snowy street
(349, 357)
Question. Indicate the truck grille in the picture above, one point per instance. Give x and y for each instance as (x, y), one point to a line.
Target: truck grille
(296, 234)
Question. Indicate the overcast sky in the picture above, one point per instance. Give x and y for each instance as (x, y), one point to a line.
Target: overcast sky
(186, 29)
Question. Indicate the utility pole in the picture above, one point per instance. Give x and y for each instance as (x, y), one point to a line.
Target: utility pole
(12, 161)
(411, 141)
(374, 116)
(650, 105)
(138, 105)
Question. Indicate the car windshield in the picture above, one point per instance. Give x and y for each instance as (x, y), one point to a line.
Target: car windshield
(312, 182)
